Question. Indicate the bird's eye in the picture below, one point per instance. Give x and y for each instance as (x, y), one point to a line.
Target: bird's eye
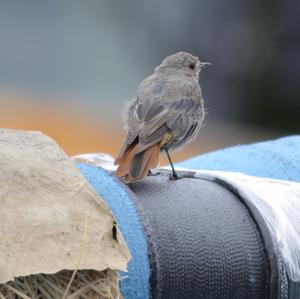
(192, 66)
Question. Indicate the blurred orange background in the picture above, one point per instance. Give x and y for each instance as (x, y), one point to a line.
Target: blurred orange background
(68, 67)
(77, 131)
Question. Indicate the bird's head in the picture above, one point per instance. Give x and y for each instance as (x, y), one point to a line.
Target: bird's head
(182, 63)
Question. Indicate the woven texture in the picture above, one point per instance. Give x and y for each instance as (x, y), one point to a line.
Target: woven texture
(203, 243)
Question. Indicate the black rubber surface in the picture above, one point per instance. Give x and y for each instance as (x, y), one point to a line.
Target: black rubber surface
(203, 242)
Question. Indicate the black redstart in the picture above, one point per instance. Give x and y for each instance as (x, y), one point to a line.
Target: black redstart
(166, 115)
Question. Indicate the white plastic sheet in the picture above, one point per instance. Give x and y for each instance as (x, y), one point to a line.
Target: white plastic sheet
(97, 160)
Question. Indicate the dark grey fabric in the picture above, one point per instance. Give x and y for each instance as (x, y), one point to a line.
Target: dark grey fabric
(294, 289)
(203, 241)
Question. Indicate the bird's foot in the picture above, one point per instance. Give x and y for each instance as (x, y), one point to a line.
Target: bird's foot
(154, 172)
(174, 176)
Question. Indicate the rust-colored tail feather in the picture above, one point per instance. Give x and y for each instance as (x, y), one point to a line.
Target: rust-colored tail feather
(133, 167)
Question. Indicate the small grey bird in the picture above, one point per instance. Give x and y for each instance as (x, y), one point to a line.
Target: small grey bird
(167, 114)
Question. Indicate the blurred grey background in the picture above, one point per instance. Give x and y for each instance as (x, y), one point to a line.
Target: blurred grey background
(92, 55)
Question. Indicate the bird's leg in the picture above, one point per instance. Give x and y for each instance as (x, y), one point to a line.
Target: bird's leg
(174, 175)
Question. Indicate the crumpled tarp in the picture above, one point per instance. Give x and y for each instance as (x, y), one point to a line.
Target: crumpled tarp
(50, 215)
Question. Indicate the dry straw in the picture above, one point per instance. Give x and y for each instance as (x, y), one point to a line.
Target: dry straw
(76, 284)
(66, 284)
(87, 284)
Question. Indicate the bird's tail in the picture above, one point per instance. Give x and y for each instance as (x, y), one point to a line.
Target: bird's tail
(133, 167)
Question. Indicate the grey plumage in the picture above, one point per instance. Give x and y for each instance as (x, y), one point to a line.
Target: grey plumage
(168, 112)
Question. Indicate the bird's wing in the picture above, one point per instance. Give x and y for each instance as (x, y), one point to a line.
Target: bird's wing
(162, 117)
(133, 125)
(149, 121)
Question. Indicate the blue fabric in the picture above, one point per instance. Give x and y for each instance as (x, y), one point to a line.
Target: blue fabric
(279, 159)
(136, 285)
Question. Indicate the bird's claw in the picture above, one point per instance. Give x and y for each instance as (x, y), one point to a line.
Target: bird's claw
(174, 176)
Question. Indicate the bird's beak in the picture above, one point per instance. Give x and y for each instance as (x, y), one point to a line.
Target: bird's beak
(203, 64)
